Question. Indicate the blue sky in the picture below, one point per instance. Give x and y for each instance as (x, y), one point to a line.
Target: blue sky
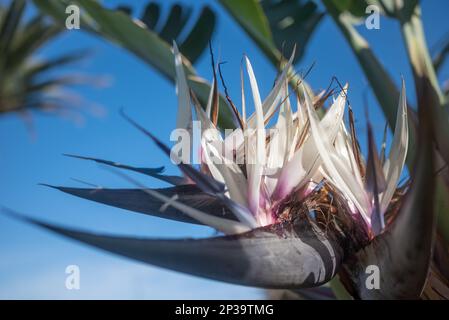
(33, 261)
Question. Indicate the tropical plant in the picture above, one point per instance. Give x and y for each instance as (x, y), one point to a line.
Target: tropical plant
(352, 217)
(143, 39)
(27, 82)
(296, 205)
(173, 28)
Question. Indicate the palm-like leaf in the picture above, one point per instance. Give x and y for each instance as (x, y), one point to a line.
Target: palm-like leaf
(25, 83)
(138, 39)
(274, 33)
(292, 23)
(276, 26)
(191, 39)
(441, 55)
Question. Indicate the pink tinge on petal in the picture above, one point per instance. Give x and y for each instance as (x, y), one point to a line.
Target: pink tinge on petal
(281, 190)
(261, 207)
(352, 208)
(201, 155)
(253, 201)
(188, 180)
(271, 217)
(290, 178)
(357, 216)
(265, 207)
(308, 189)
(284, 189)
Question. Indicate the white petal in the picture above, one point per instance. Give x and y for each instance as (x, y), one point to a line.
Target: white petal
(184, 119)
(305, 163)
(243, 97)
(393, 167)
(226, 171)
(279, 146)
(269, 105)
(224, 225)
(301, 113)
(343, 147)
(336, 169)
(209, 99)
(256, 169)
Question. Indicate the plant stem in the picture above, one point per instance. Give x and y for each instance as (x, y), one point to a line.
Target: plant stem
(430, 95)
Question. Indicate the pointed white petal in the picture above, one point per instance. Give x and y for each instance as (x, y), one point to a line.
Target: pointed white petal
(184, 119)
(255, 174)
(290, 127)
(202, 116)
(242, 86)
(279, 142)
(336, 169)
(393, 167)
(228, 172)
(209, 131)
(269, 105)
(345, 152)
(234, 140)
(301, 113)
(209, 99)
(224, 225)
(305, 163)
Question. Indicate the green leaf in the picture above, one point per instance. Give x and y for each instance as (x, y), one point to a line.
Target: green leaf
(177, 18)
(10, 23)
(292, 23)
(397, 9)
(29, 41)
(441, 55)
(356, 7)
(135, 37)
(275, 37)
(192, 40)
(119, 28)
(151, 15)
(251, 17)
(39, 68)
(125, 9)
(24, 83)
(200, 35)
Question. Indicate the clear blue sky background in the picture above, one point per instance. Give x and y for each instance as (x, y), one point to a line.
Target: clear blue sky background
(33, 261)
